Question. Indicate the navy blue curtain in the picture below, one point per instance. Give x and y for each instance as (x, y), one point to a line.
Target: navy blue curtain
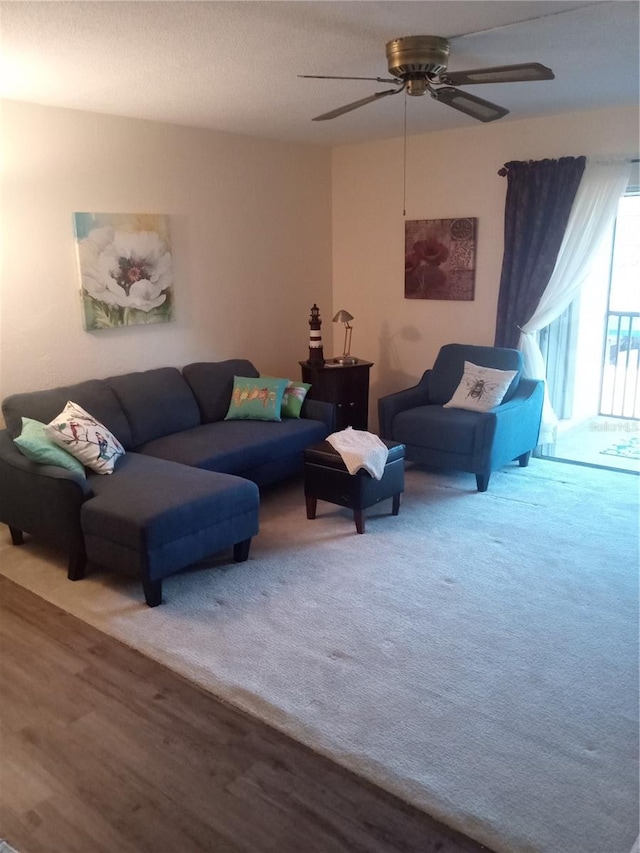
(540, 195)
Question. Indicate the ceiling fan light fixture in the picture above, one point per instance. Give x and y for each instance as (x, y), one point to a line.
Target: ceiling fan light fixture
(417, 86)
(417, 55)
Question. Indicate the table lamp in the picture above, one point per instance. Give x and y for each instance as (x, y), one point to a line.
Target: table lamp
(346, 318)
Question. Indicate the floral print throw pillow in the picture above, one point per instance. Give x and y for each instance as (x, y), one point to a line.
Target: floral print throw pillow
(84, 437)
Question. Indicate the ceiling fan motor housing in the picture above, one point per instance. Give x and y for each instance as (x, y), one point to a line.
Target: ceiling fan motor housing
(411, 57)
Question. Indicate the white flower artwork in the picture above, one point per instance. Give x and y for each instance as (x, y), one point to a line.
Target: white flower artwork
(126, 269)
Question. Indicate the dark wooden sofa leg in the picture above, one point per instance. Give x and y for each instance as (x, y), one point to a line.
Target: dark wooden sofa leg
(524, 459)
(77, 563)
(17, 537)
(395, 506)
(483, 482)
(312, 506)
(152, 592)
(241, 550)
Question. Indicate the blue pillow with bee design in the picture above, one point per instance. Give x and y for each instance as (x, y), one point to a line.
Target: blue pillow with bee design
(481, 388)
(256, 398)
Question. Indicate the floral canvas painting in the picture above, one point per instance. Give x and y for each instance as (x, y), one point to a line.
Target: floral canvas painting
(126, 269)
(440, 258)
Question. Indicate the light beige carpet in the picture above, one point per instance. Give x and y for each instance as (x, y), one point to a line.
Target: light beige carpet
(477, 655)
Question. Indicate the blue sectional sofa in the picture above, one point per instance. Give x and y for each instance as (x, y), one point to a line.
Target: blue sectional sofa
(186, 487)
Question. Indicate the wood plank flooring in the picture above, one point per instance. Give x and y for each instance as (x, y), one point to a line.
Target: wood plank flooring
(106, 751)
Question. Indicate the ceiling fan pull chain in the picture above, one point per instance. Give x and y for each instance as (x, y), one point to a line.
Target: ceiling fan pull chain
(404, 164)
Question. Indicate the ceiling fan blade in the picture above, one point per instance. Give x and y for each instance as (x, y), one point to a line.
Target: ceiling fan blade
(354, 106)
(469, 104)
(333, 77)
(528, 71)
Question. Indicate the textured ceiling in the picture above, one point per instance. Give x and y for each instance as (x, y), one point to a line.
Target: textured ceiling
(233, 65)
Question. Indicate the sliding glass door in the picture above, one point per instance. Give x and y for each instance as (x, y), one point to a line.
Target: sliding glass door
(592, 353)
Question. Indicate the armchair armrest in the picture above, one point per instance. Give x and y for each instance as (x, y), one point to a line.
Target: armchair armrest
(393, 404)
(517, 424)
(527, 390)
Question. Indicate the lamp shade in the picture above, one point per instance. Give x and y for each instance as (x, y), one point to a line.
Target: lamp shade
(343, 317)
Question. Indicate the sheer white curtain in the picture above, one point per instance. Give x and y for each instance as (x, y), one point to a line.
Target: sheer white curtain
(593, 212)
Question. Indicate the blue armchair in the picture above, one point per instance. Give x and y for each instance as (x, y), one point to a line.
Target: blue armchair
(453, 438)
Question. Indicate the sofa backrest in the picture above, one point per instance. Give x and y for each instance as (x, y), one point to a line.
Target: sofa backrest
(449, 366)
(212, 384)
(95, 396)
(139, 407)
(156, 403)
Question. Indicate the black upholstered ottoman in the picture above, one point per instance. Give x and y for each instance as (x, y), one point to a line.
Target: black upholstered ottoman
(152, 517)
(326, 478)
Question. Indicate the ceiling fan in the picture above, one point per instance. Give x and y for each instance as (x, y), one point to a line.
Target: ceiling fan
(418, 64)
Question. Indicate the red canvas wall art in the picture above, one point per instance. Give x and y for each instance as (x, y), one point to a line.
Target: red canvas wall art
(440, 258)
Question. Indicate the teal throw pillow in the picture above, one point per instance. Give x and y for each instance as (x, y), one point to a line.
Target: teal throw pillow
(256, 398)
(293, 398)
(35, 445)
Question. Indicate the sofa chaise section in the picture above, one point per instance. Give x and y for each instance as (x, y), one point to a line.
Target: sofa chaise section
(157, 517)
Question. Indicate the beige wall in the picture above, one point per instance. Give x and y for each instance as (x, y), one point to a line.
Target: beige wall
(253, 230)
(449, 174)
(250, 230)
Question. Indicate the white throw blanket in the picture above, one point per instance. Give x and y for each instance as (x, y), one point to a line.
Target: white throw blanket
(360, 449)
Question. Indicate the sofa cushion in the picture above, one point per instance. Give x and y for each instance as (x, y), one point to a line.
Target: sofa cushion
(449, 366)
(150, 502)
(156, 402)
(236, 447)
(94, 395)
(212, 385)
(451, 430)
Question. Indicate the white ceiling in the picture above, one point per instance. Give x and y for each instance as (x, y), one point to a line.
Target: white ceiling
(233, 65)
